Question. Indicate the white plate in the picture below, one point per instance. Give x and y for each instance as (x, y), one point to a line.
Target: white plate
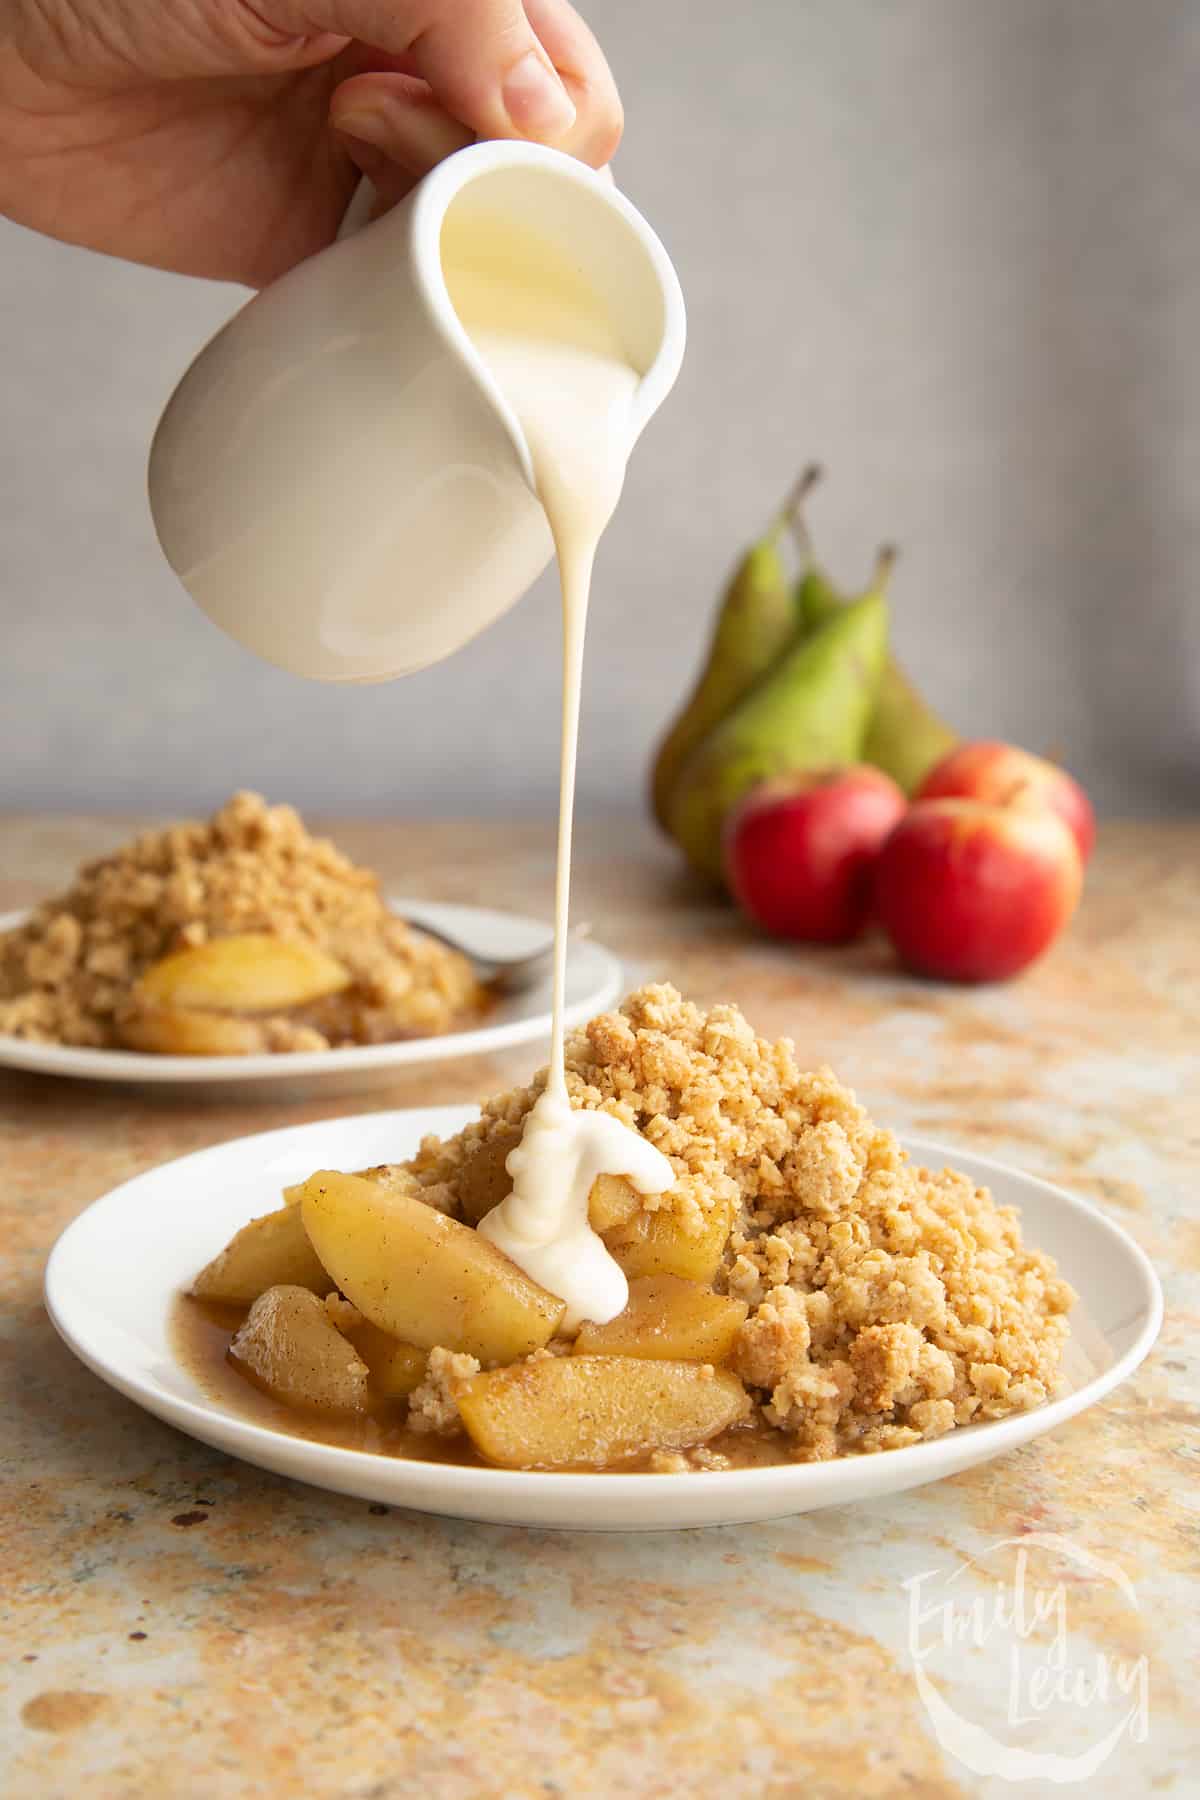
(593, 983)
(114, 1274)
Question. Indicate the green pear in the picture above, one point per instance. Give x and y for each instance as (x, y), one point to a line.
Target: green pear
(810, 712)
(905, 737)
(816, 597)
(757, 617)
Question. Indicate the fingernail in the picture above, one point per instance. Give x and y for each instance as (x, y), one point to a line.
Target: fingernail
(536, 100)
(369, 123)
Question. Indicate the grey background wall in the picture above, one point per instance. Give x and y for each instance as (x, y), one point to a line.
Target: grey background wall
(949, 247)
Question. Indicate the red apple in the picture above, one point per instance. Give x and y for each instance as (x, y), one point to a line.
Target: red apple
(799, 850)
(1005, 776)
(970, 892)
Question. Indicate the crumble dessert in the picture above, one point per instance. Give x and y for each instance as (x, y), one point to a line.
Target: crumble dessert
(237, 935)
(803, 1291)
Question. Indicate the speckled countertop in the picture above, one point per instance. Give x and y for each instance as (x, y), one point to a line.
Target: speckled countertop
(178, 1624)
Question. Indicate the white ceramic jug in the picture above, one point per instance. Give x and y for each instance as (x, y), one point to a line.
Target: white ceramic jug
(342, 422)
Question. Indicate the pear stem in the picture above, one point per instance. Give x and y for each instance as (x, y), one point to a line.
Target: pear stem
(885, 562)
(793, 513)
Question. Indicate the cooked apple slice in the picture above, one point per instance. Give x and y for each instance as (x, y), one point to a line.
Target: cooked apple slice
(289, 1346)
(247, 973)
(594, 1410)
(273, 1251)
(667, 1319)
(420, 1276)
(660, 1243)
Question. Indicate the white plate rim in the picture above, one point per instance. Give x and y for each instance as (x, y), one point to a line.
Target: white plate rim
(123, 1066)
(537, 1493)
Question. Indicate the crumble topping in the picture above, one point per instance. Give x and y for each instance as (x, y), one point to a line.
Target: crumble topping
(889, 1303)
(66, 974)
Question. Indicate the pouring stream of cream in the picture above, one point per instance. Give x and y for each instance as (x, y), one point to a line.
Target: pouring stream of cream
(550, 344)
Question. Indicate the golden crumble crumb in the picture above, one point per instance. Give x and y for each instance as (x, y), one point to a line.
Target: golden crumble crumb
(773, 1339)
(398, 1178)
(931, 1418)
(704, 1458)
(682, 1462)
(432, 1407)
(884, 1360)
(67, 974)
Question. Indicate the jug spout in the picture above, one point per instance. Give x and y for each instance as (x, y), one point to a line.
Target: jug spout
(338, 480)
(527, 195)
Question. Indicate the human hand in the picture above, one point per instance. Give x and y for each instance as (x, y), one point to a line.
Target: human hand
(224, 138)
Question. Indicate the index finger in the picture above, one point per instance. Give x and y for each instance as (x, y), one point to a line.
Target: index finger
(572, 47)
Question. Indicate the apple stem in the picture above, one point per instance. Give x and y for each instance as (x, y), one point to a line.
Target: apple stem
(793, 513)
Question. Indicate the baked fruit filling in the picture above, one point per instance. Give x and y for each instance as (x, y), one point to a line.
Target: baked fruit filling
(802, 1291)
(235, 937)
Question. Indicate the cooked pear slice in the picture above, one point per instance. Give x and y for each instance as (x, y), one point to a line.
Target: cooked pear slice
(386, 1175)
(612, 1201)
(252, 972)
(289, 1346)
(660, 1243)
(394, 1368)
(483, 1181)
(178, 1031)
(422, 1277)
(273, 1251)
(593, 1410)
(667, 1320)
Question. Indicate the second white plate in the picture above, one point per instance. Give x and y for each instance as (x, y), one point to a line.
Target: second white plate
(593, 983)
(114, 1275)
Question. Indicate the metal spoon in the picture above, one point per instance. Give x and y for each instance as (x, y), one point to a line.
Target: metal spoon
(503, 974)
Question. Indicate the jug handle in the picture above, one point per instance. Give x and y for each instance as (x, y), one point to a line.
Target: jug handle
(358, 213)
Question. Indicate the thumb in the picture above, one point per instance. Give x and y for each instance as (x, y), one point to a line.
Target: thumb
(487, 67)
(481, 58)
